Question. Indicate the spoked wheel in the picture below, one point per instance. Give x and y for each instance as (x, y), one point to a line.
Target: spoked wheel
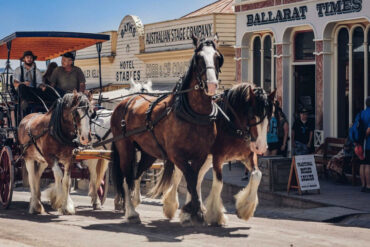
(103, 189)
(6, 177)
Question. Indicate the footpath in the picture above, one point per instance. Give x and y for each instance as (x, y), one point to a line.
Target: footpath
(336, 203)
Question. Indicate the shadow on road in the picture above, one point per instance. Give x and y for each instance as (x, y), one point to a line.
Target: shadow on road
(98, 214)
(19, 211)
(166, 231)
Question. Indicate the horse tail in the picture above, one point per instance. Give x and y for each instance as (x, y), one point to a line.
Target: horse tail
(117, 175)
(164, 181)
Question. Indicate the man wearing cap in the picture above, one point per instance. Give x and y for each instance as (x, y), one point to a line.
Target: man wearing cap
(302, 133)
(27, 78)
(68, 77)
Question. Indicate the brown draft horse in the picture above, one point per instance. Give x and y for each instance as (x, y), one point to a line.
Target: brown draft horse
(48, 139)
(241, 134)
(183, 136)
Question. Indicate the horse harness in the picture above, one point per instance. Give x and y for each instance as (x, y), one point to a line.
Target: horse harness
(237, 129)
(54, 129)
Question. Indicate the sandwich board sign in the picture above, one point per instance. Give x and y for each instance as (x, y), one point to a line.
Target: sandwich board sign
(303, 174)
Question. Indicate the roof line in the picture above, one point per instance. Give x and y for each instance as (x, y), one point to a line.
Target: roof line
(200, 9)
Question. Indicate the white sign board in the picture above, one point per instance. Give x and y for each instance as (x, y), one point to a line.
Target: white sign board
(306, 171)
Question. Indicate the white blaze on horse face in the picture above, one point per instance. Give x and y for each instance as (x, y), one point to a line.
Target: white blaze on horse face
(260, 145)
(209, 53)
(85, 137)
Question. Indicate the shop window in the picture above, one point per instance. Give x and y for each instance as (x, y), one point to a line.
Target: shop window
(343, 83)
(257, 61)
(267, 45)
(357, 71)
(304, 46)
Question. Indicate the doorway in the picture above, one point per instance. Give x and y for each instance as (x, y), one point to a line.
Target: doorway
(304, 78)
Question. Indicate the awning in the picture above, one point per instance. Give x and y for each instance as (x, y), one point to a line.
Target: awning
(47, 45)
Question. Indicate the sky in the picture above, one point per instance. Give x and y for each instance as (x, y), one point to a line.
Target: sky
(91, 16)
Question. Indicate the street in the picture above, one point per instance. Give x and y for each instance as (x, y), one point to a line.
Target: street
(107, 228)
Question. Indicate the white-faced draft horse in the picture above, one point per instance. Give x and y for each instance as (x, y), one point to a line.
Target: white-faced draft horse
(101, 131)
(241, 135)
(177, 128)
(49, 139)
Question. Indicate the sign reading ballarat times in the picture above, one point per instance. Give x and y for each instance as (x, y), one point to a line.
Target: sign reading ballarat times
(306, 171)
(129, 43)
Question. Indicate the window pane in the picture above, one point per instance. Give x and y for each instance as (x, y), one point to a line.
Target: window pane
(343, 83)
(304, 46)
(257, 61)
(358, 72)
(267, 64)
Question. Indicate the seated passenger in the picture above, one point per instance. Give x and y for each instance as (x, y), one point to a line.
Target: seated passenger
(68, 77)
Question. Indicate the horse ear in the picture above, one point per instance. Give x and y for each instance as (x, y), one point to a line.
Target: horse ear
(272, 95)
(195, 40)
(89, 95)
(252, 96)
(215, 39)
(149, 84)
(132, 82)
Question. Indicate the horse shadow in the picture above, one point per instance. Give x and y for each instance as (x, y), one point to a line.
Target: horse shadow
(166, 231)
(18, 210)
(87, 211)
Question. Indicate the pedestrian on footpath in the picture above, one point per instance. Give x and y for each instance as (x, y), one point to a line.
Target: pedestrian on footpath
(365, 166)
(302, 133)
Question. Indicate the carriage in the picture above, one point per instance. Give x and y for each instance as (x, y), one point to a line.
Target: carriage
(47, 45)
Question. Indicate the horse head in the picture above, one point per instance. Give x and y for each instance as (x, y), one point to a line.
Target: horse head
(79, 109)
(262, 105)
(252, 110)
(207, 62)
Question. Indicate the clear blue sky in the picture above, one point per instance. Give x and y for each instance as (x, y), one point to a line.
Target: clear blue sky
(86, 15)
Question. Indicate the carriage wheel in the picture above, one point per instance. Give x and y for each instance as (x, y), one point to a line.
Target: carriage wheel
(6, 177)
(103, 189)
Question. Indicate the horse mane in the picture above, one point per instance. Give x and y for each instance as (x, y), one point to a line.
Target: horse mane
(185, 80)
(239, 98)
(55, 124)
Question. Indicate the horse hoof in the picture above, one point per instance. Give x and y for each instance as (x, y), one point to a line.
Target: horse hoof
(198, 218)
(134, 219)
(96, 206)
(185, 219)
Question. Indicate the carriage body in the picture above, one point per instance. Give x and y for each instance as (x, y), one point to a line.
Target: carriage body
(47, 45)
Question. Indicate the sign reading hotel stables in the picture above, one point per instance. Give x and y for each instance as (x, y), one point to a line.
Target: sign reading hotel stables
(299, 13)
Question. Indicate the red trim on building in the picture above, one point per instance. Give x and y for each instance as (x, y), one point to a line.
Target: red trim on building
(238, 54)
(279, 73)
(264, 4)
(319, 86)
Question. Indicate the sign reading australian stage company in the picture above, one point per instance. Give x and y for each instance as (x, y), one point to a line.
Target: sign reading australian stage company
(299, 13)
(178, 34)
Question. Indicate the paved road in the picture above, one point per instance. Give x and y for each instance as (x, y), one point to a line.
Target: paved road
(106, 228)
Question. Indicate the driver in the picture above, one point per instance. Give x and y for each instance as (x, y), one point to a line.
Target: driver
(27, 78)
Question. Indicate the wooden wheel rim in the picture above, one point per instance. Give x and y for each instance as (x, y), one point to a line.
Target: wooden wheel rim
(6, 177)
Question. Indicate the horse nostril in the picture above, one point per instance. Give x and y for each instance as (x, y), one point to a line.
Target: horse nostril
(82, 138)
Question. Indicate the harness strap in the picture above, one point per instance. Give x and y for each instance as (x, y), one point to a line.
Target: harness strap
(33, 84)
(150, 124)
(33, 139)
(135, 131)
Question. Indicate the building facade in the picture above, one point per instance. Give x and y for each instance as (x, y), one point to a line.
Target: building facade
(161, 51)
(314, 52)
